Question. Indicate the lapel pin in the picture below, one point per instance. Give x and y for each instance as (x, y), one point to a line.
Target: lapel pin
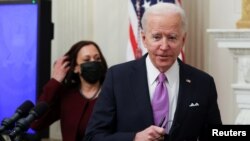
(188, 80)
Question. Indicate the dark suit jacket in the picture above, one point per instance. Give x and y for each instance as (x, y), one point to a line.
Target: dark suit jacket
(124, 106)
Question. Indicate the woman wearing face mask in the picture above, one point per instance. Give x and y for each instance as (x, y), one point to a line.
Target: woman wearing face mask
(73, 89)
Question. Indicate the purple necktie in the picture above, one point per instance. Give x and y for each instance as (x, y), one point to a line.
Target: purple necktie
(160, 102)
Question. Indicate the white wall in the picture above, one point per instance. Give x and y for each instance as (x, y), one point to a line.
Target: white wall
(223, 14)
(110, 28)
(105, 22)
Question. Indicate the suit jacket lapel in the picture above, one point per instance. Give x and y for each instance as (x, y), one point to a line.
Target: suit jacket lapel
(184, 95)
(139, 85)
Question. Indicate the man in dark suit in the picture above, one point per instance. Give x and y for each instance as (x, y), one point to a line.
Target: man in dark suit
(124, 110)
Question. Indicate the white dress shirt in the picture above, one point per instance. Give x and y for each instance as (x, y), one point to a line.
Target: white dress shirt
(172, 85)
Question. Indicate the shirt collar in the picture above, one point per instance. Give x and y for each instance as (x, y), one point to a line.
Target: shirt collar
(172, 74)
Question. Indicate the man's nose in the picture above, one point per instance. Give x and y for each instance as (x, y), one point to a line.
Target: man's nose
(165, 43)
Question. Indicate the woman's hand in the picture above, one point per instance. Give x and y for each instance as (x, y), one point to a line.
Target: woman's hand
(60, 68)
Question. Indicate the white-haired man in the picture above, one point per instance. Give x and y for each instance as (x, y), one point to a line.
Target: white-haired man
(125, 110)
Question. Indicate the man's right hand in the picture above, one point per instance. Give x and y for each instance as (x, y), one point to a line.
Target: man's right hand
(152, 133)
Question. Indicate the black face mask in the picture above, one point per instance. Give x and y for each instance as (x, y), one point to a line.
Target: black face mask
(92, 71)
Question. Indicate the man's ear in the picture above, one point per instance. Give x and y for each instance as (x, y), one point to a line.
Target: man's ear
(184, 38)
(143, 36)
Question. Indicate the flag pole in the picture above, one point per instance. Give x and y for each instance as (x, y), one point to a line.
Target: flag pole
(138, 52)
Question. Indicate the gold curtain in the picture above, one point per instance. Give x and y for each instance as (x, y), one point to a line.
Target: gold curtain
(196, 51)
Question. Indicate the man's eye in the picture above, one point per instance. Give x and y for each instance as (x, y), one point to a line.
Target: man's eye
(156, 37)
(172, 38)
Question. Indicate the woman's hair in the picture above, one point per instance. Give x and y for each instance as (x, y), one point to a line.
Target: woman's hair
(72, 79)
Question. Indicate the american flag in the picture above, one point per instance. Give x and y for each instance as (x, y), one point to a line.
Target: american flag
(135, 47)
